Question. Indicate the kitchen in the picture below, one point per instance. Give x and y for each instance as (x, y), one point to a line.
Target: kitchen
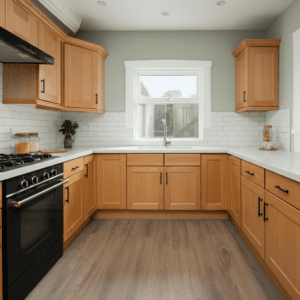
(204, 217)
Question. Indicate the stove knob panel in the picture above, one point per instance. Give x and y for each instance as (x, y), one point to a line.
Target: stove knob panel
(34, 180)
(46, 175)
(53, 172)
(24, 184)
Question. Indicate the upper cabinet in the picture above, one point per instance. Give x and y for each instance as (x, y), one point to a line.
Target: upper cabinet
(257, 75)
(3, 13)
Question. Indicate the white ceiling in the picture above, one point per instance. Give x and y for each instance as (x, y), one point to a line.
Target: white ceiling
(184, 14)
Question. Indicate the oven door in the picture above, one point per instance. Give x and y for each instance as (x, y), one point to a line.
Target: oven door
(34, 222)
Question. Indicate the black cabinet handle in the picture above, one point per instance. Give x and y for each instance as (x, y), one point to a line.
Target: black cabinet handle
(244, 96)
(43, 82)
(252, 174)
(259, 213)
(278, 187)
(265, 204)
(75, 168)
(68, 200)
(160, 178)
(166, 178)
(96, 98)
(87, 171)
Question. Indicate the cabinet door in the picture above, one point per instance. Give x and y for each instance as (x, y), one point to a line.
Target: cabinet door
(1, 275)
(99, 81)
(283, 243)
(241, 80)
(21, 23)
(252, 223)
(3, 13)
(73, 199)
(111, 181)
(79, 78)
(145, 188)
(214, 181)
(234, 170)
(263, 76)
(182, 188)
(50, 76)
(89, 189)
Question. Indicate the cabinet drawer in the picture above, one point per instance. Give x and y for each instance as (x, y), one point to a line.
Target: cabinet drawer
(253, 173)
(182, 159)
(73, 167)
(88, 159)
(145, 159)
(285, 188)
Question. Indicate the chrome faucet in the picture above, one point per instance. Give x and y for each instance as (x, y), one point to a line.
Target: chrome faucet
(165, 142)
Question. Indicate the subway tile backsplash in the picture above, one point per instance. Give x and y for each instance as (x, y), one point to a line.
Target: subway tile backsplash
(97, 130)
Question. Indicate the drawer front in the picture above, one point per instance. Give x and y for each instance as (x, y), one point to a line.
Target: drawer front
(88, 159)
(73, 167)
(182, 159)
(145, 159)
(253, 173)
(285, 188)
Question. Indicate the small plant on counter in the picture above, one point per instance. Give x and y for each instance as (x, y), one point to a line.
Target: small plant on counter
(68, 130)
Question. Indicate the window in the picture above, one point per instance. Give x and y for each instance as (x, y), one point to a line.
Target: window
(177, 91)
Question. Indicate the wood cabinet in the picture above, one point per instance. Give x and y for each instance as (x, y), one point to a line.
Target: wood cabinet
(89, 187)
(253, 173)
(1, 272)
(80, 81)
(21, 23)
(99, 82)
(234, 167)
(257, 75)
(3, 13)
(283, 243)
(214, 181)
(182, 188)
(111, 181)
(252, 215)
(145, 188)
(73, 205)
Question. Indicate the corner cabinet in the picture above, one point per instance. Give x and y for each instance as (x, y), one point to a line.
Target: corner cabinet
(257, 75)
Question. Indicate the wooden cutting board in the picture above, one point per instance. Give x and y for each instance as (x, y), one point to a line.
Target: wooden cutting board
(53, 151)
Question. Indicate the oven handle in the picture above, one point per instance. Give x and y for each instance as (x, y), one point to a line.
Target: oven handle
(19, 203)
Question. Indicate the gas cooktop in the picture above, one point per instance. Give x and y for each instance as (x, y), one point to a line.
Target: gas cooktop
(13, 161)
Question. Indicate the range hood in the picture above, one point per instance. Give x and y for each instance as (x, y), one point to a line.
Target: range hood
(15, 50)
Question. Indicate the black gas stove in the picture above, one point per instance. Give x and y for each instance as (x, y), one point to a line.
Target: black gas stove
(13, 161)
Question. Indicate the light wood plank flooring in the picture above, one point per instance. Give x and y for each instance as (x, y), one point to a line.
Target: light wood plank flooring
(157, 259)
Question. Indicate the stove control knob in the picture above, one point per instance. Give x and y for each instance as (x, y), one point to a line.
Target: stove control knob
(53, 172)
(34, 180)
(46, 175)
(24, 184)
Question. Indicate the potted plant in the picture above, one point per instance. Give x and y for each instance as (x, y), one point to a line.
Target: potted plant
(68, 130)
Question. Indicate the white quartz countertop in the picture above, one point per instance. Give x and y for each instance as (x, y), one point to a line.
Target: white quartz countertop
(285, 163)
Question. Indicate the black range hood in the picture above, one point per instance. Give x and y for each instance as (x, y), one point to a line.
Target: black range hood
(15, 50)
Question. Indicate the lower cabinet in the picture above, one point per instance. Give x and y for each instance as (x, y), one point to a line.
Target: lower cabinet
(73, 210)
(214, 181)
(252, 215)
(182, 188)
(111, 181)
(145, 188)
(283, 243)
(234, 176)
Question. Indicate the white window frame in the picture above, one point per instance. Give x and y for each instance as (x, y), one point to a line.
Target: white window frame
(134, 69)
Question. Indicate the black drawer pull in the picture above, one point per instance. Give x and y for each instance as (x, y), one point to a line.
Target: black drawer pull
(160, 178)
(252, 174)
(43, 82)
(244, 96)
(259, 213)
(96, 98)
(265, 204)
(166, 178)
(278, 187)
(75, 168)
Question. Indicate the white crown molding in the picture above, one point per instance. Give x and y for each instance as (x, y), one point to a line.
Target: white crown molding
(63, 13)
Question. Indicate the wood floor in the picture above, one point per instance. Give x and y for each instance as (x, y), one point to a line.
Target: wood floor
(157, 259)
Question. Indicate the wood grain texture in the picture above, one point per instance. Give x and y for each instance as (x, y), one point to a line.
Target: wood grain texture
(73, 166)
(283, 243)
(234, 170)
(111, 181)
(182, 160)
(145, 159)
(252, 225)
(3, 13)
(182, 188)
(157, 259)
(1, 272)
(88, 159)
(293, 188)
(241, 79)
(0, 194)
(145, 188)
(214, 181)
(258, 176)
(260, 108)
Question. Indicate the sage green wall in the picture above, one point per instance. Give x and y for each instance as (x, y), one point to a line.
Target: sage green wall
(216, 46)
(283, 28)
